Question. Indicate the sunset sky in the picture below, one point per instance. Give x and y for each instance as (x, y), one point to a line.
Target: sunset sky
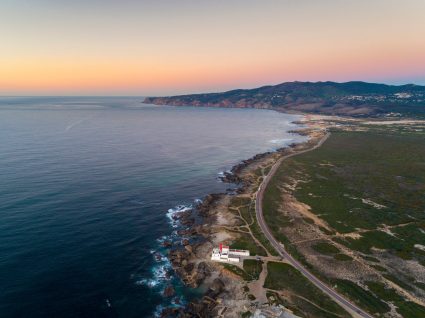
(105, 47)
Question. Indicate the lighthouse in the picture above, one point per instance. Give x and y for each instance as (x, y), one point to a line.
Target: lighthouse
(225, 254)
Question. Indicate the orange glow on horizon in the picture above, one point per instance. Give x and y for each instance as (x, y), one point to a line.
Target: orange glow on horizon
(58, 76)
(195, 47)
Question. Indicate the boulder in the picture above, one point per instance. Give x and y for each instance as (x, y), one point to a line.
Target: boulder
(168, 291)
(189, 267)
(189, 248)
(167, 243)
(216, 288)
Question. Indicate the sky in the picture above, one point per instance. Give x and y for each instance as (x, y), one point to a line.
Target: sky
(158, 47)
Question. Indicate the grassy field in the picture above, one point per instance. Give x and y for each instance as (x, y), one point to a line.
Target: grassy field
(253, 268)
(247, 212)
(245, 242)
(236, 270)
(353, 165)
(373, 299)
(331, 250)
(342, 257)
(383, 292)
(258, 233)
(244, 207)
(361, 180)
(325, 248)
(371, 183)
(312, 301)
(409, 309)
(361, 296)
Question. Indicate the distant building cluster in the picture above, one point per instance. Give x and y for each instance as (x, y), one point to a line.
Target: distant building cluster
(227, 255)
(393, 98)
(403, 95)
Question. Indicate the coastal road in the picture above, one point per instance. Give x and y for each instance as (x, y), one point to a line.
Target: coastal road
(349, 306)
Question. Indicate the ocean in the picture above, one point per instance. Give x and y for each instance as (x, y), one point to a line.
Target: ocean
(87, 188)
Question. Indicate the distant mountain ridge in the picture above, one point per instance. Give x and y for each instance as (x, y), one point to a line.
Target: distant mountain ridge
(348, 99)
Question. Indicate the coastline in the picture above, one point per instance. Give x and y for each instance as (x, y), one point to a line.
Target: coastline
(210, 222)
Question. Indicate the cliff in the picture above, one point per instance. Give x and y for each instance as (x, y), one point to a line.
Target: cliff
(330, 98)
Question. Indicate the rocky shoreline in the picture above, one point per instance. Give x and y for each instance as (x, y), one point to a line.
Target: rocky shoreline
(190, 257)
(223, 217)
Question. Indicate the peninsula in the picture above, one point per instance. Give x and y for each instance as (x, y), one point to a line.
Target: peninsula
(358, 99)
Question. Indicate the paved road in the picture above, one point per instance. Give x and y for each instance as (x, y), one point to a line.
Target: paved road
(281, 249)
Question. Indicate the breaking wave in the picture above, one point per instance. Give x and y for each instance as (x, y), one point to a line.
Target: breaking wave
(280, 142)
(172, 214)
(162, 274)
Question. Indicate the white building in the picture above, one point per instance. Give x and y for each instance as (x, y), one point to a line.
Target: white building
(225, 254)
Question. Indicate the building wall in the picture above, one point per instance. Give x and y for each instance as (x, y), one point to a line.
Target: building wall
(239, 252)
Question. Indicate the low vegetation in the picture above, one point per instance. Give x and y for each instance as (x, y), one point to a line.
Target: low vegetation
(342, 257)
(253, 268)
(245, 242)
(361, 296)
(309, 298)
(367, 187)
(325, 248)
(351, 98)
(237, 271)
(383, 292)
(410, 309)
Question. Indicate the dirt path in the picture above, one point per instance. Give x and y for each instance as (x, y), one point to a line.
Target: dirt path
(354, 310)
(256, 287)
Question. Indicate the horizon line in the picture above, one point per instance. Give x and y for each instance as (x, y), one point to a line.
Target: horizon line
(207, 91)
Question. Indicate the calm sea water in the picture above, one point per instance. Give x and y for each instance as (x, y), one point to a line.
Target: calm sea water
(85, 188)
